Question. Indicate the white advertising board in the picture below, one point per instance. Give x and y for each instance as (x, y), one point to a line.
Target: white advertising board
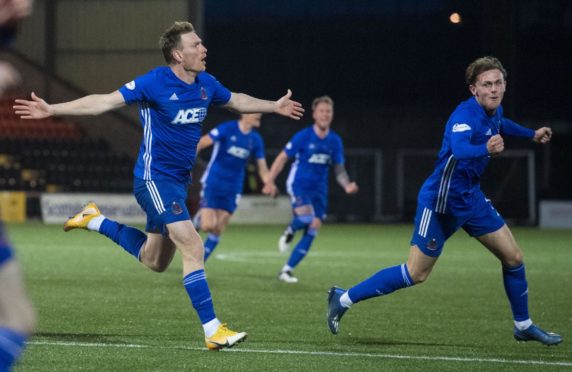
(556, 214)
(58, 207)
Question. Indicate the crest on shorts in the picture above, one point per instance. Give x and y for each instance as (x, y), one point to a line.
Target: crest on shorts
(432, 244)
(176, 208)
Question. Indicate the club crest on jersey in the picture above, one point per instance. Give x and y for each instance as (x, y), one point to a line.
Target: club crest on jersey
(204, 95)
(190, 116)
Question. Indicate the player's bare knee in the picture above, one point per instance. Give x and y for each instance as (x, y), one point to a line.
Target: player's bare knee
(157, 266)
(207, 226)
(419, 276)
(316, 224)
(418, 279)
(515, 258)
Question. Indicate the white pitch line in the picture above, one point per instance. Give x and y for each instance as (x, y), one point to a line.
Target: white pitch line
(318, 353)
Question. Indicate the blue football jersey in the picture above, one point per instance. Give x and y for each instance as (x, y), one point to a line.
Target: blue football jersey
(231, 151)
(171, 113)
(313, 158)
(464, 157)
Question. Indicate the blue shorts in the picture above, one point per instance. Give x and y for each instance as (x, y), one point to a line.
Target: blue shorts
(163, 202)
(318, 200)
(219, 199)
(433, 229)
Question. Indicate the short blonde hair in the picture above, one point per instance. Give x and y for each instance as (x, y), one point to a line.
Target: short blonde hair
(324, 99)
(171, 38)
(481, 65)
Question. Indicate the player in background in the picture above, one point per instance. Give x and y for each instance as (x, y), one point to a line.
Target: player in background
(316, 149)
(451, 198)
(234, 143)
(17, 316)
(173, 102)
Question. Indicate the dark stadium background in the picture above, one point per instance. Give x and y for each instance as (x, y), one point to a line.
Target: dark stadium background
(394, 69)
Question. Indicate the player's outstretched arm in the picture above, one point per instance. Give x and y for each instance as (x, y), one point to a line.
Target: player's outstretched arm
(542, 135)
(94, 104)
(245, 104)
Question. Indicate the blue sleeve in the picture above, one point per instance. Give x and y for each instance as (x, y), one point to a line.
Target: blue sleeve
(138, 90)
(513, 129)
(295, 144)
(258, 147)
(339, 152)
(461, 143)
(221, 94)
(220, 132)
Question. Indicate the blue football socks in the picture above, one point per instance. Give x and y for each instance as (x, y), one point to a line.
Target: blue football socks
(127, 237)
(11, 346)
(302, 248)
(381, 283)
(516, 288)
(198, 289)
(210, 244)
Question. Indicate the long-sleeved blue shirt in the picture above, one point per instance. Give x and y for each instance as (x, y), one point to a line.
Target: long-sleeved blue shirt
(464, 156)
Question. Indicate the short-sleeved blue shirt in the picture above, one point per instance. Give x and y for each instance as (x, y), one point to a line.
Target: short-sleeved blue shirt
(231, 152)
(313, 158)
(171, 113)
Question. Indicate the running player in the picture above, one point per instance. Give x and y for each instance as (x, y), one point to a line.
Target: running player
(451, 198)
(234, 143)
(173, 102)
(316, 149)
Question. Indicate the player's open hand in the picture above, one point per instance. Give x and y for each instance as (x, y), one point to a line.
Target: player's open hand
(37, 108)
(495, 145)
(286, 107)
(351, 188)
(542, 135)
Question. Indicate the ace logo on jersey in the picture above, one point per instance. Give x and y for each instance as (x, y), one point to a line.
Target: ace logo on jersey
(319, 159)
(190, 116)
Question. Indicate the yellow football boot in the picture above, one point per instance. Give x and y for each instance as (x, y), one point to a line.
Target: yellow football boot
(80, 220)
(224, 338)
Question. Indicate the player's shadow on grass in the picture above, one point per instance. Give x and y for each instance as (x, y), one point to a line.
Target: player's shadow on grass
(78, 337)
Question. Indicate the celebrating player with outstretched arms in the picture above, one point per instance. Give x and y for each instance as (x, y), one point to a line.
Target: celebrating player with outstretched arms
(173, 102)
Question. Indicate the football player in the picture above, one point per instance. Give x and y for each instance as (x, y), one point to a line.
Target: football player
(173, 102)
(235, 142)
(451, 198)
(315, 149)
